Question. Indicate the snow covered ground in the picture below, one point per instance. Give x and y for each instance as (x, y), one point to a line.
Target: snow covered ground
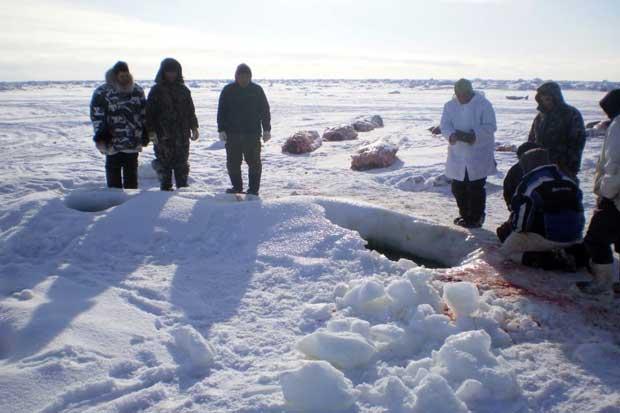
(191, 301)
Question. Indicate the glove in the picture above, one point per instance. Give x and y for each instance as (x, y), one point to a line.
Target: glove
(266, 136)
(153, 138)
(453, 139)
(469, 138)
(102, 147)
(223, 136)
(195, 134)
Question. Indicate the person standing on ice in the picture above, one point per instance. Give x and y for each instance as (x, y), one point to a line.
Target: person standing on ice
(242, 116)
(546, 215)
(117, 111)
(559, 128)
(604, 228)
(468, 122)
(171, 122)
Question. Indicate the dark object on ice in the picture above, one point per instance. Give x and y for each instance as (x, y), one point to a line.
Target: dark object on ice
(435, 130)
(376, 155)
(395, 254)
(550, 260)
(340, 133)
(368, 123)
(559, 128)
(526, 97)
(505, 147)
(302, 142)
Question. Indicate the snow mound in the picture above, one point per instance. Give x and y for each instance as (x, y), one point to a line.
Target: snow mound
(317, 387)
(302, 142)
(196, 351)
(343, 350)
(462, 298)
(95, 200)
(340, 133)
(379, 154)
(434, 394)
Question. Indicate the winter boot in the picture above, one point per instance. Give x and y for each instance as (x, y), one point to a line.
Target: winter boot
(602, 280)
(234, 191)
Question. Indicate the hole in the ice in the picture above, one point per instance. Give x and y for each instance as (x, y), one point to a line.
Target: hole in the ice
(396, 254)
(95, 200)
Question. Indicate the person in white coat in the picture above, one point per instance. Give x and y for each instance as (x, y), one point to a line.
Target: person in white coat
(604, 228)
(468, 122)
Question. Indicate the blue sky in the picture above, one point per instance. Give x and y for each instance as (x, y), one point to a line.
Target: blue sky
(503, 39)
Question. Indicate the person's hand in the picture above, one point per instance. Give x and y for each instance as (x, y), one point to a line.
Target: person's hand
(469, 138)
(195, 134)
(453, 139)
(153, 138)
(266, 136)
(223, 136)
(102, 147)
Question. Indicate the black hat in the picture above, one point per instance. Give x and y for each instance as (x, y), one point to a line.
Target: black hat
(611, 103)
(120, 66)
(526, 146)
(533, 159)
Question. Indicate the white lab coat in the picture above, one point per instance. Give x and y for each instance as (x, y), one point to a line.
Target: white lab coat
(607, 178)
(478, 117)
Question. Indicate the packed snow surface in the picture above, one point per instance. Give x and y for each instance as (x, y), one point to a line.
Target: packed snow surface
(191, 301)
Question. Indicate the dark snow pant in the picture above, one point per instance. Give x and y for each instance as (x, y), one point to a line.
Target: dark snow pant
(604, 230)
(239, 147)
(127, 163)
(172, 156)
(470, 197)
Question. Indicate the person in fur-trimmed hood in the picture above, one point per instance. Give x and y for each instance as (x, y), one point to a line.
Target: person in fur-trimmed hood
(171, 121)
(558, 128)
(604, 229)
(117, 111)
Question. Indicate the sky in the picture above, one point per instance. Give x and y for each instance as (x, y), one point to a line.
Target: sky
(318, 39)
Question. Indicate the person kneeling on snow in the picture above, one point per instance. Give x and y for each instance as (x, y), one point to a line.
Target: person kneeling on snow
(604, 228)
(546, 215)
(468, 122)
(117, 111)
(171, 121)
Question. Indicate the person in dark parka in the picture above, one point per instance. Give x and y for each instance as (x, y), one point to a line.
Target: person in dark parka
(171, 122)
(243, 115)
(558, 128)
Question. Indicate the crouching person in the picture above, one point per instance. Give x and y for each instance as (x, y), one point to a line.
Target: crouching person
(117, 111)
(546, 215)
(604, 229)
(171, 121)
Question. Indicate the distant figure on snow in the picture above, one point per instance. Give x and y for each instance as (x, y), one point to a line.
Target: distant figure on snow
(546, 215)
(559, 128)
(468, 122)
(243, 115)
(604, 229)
(117, 111)
(171, 121)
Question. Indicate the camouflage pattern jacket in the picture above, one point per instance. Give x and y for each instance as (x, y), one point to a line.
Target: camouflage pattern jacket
(118, 116)
(561, 131)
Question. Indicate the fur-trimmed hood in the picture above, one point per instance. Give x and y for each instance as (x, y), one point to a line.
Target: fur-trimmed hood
(550, 89)
(110, 79)
(169, 65)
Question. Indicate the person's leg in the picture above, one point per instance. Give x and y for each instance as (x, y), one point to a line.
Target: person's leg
(234, 158)
(602, 233)
(181, 165)
(113, 171)
(477, 197)
(164, 153)
(251, 153)
(459, 189)
(130, 171)
(534, 250)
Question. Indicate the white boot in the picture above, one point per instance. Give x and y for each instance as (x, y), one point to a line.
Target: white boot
(603, 279)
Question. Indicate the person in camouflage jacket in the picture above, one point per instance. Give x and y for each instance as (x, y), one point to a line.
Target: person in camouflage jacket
(117, 111)
(171, 122)
(559, 128)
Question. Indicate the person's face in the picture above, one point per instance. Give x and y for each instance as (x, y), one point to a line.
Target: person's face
(123, 78)
(463, 97)
(171, 76)
(243, 79)
(546, 102)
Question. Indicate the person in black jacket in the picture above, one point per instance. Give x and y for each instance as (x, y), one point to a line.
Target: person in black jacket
(117, 114)
(242, 117)
(171, 122)
(558, 128)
